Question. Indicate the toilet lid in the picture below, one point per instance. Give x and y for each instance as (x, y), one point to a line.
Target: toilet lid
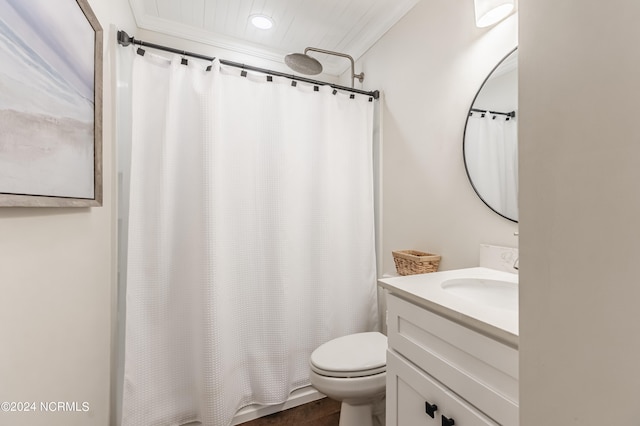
(354, 355)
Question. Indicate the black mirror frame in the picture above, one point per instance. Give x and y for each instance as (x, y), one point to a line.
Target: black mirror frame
(464, 135)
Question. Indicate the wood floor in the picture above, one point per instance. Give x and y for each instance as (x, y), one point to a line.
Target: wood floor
(323, 412)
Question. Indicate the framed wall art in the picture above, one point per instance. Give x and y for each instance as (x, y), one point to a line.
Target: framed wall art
(50, 104)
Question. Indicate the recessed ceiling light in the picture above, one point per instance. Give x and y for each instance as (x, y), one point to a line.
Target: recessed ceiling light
(262, 22)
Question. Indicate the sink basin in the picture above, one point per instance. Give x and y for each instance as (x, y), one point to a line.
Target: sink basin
(494, 293)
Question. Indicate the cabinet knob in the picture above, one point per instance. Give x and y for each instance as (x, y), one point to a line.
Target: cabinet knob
(430, 409)
(447, 422)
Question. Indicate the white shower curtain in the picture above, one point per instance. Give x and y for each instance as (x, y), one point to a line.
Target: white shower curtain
(491, 152)
(251, 237)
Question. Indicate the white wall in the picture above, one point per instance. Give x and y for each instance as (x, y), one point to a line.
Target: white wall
(499, 93)
(57, 290)
(580, 204)
(430, 66)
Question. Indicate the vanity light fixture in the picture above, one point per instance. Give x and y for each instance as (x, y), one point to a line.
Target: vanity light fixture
(261, 21)
(488, 12)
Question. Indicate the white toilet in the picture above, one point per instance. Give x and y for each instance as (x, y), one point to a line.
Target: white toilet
(352, 369)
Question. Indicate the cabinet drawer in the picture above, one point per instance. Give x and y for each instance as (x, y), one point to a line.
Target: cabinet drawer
(481, 370)
(412, 388)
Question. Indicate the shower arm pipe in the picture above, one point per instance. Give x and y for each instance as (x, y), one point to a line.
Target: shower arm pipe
(125, 40)
(360, 76)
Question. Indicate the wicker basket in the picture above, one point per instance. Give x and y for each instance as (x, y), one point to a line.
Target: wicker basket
(411, 262)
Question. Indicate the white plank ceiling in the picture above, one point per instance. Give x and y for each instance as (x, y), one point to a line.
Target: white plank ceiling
(347, 26)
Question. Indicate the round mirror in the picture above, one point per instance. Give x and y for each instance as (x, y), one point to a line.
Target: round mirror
(490, 145)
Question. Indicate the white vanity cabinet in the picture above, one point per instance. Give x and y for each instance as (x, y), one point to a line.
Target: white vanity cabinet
(441, 371)
(418, 398)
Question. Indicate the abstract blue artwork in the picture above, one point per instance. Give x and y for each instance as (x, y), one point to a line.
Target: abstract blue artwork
(50, 103)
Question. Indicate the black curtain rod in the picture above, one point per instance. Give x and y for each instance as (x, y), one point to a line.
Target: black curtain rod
(508, 114)
(125, 40)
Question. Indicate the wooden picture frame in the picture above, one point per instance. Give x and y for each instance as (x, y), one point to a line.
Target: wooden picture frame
(51, 104)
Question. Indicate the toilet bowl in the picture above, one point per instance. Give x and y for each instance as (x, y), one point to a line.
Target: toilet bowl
(352, 369)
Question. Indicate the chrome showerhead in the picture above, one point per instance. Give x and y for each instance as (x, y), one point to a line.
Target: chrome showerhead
(303, 63)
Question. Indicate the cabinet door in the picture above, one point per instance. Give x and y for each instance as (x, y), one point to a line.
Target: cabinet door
(477, 368)
(409, 389)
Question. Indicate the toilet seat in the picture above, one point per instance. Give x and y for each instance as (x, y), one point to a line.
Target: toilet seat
(354, 355)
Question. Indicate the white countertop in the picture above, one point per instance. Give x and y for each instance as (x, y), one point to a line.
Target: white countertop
(425, 290)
